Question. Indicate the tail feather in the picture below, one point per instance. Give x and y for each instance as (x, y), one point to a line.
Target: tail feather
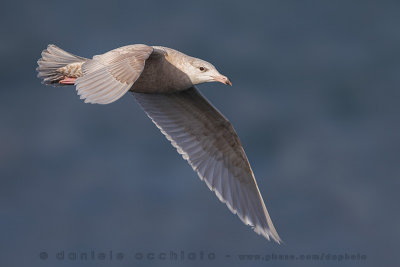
(54, 58)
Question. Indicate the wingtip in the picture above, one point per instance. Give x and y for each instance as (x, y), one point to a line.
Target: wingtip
(277, 239)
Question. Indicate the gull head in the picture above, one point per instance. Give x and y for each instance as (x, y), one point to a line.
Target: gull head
(200, 71)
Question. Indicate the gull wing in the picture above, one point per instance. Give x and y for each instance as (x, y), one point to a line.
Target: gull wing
(109, 76)
(207, 140)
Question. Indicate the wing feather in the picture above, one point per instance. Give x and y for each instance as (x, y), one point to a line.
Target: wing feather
(108, 77)
(207, 140)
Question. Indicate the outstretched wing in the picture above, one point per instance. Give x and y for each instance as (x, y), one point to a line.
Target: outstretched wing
(109, 76)
(207, 140)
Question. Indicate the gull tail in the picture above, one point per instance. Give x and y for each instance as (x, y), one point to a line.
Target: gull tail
(57, 67)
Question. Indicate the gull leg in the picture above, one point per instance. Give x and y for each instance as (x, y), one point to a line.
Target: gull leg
(68, 80)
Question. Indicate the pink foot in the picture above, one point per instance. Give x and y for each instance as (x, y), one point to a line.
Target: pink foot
(68, 80)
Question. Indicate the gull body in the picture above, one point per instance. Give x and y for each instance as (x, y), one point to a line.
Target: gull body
(162, 81)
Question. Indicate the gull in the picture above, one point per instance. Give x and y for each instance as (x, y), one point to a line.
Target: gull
(163, 80)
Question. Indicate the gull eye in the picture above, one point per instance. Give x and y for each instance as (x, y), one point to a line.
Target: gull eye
(202, 69)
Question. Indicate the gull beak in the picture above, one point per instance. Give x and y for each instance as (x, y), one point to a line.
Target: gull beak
(222, 79)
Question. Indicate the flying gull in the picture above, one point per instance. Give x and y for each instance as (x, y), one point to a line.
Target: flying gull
(162, 81)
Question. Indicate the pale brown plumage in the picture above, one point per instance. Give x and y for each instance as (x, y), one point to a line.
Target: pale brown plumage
(162, 81)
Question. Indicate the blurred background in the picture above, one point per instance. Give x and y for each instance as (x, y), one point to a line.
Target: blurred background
(314, 100)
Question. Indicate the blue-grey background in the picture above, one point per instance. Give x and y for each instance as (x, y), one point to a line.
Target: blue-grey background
(314, 100)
